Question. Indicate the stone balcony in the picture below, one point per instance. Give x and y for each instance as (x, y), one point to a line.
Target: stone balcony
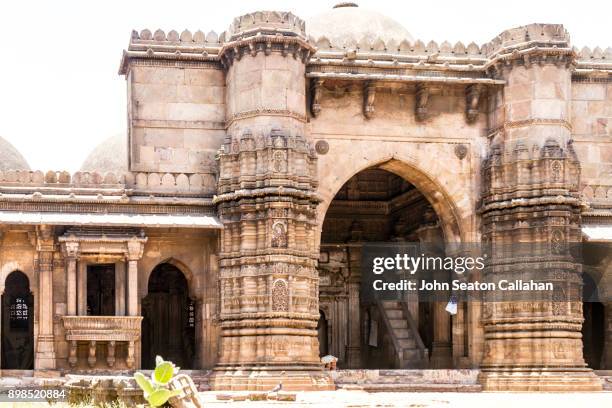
(108, 330)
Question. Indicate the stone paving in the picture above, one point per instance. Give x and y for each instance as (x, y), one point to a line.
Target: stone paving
(430, 400)
(356, 399)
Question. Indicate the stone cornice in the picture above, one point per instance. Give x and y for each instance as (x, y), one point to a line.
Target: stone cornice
(528, 202)
(530, 122)
(267, 112)
(385, 77)
(294, 46)
(266, 191)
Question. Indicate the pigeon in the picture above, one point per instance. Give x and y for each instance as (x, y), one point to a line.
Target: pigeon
(278, 386)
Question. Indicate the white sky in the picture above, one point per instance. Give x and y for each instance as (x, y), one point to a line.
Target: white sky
(60, 94)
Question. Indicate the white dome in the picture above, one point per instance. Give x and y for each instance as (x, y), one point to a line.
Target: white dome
(10, 158)
(348, 22)
(108, 156)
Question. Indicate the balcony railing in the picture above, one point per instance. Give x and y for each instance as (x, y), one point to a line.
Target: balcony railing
(106, 329)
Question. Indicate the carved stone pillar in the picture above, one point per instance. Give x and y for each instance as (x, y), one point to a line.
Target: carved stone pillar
(266, 200)
(45, 248)
(120, 292)
(607, 351)
(135, 248)
(432, 244)
(82, 287)
(71, 253)
(530, 195)
(353, 348)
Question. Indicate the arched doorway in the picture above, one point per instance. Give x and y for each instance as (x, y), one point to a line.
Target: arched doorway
(17, 323)
(379, 205)
(168, 325)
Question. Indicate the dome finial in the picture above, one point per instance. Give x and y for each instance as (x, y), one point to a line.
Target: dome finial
(346, 4)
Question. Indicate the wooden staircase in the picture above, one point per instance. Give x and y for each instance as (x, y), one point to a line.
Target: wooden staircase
(410, 350)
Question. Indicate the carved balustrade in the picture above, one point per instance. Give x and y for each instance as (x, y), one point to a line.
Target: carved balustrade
(102, 329)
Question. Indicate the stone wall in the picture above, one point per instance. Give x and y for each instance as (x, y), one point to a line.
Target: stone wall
(591, 117)
(176, 118)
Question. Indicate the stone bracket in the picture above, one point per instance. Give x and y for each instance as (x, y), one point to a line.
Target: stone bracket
(369, 98)
(422, 100)
(472, 102)
(317, 91)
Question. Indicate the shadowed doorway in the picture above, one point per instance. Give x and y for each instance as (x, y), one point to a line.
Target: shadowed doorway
(17, 323)
(168, 325)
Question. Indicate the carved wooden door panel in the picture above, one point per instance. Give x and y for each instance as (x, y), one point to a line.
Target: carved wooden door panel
(101, 290)
(168, 327)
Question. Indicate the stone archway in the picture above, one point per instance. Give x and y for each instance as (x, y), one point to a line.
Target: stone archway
(169, 319)
(389, 201)
(446, 191)
(17, 323)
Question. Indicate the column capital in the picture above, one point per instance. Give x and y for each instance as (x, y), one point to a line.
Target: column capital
(71, 249)
(135, 249)
(45, 240)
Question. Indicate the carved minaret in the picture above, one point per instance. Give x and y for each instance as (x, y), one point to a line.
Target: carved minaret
(266, 200)
(531, 217)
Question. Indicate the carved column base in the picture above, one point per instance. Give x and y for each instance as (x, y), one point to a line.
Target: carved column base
(45, 353)
(72, 359)
(266, 378)
(541, 380)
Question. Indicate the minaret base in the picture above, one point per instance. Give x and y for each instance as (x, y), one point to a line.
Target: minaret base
(540, 380)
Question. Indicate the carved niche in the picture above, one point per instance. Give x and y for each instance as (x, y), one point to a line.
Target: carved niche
(280, 296)
(279, 234)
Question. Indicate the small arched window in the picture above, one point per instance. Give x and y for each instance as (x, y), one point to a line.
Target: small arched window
(17, 290)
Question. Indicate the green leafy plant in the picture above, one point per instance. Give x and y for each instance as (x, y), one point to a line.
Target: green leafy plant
(157, 389)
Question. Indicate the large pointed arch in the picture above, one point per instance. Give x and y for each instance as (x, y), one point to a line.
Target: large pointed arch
(409, 169)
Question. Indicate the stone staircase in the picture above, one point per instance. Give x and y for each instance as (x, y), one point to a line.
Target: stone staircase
(410, 350)
(407, 380)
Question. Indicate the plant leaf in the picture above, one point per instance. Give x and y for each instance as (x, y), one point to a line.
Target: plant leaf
(144, 383)
(158, 360)
(163, 373)
(159, 397)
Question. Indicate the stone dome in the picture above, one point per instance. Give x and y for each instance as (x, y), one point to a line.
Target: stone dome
(349, 22)
(10, 158)
(108, 156)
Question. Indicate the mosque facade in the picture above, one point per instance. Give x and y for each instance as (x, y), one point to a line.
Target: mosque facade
(226, 232)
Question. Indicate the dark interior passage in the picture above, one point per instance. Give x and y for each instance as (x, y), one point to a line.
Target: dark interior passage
(17, 323)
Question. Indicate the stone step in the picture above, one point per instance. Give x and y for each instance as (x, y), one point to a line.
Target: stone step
(398, 323)
(406, 343)
(402, 333)
(412, 387)
(411, 354)
(392, 305)
(394, 314)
